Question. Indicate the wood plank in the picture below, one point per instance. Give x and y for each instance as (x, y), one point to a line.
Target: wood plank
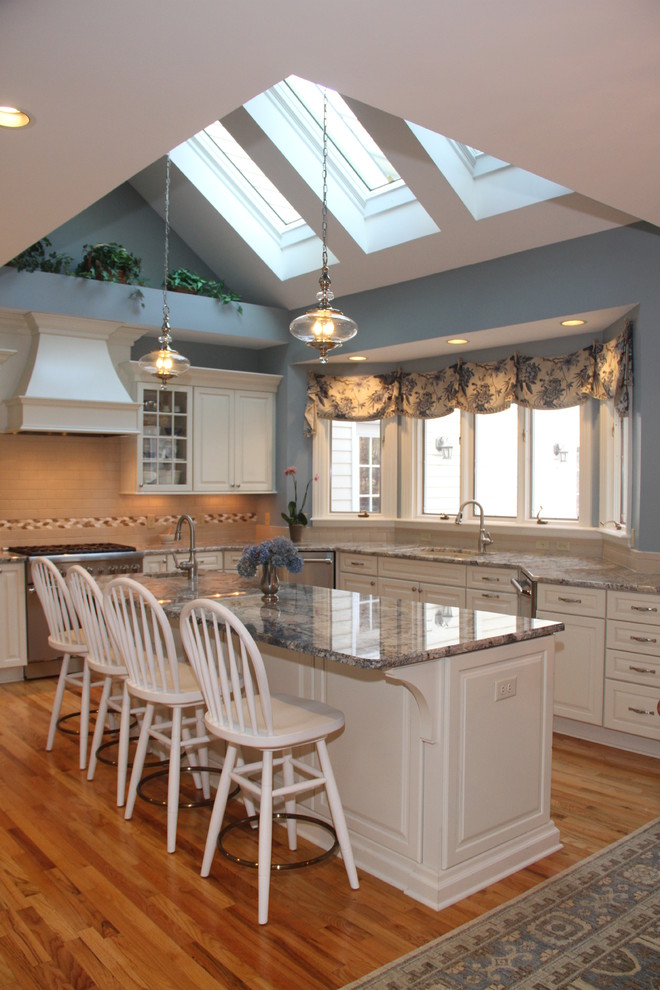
(88, 899)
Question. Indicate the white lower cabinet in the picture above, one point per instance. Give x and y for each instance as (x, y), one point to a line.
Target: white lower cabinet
(357, 572)
(489, 589)
(422, 580)
(632, 671)
(13, 641)
(579, 650)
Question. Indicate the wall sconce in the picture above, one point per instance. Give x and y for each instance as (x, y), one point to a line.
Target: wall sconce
(558, 452)
(443, 447)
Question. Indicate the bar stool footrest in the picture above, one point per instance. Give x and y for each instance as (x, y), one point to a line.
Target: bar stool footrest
(276, 867)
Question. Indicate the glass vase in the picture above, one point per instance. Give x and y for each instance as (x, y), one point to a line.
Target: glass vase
(269, 583)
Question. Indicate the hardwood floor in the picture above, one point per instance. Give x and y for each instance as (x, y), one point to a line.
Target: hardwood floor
(90, 900)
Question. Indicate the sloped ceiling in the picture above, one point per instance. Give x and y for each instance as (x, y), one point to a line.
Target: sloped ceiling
(567, 91)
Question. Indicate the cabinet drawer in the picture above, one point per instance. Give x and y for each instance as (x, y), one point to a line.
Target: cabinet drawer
(231, 559)
(632, 708)
(634, 637)
(209, 560)
(492, 601)
(422, 570)
(155, 563)
(560, 598)
(491, 577)
(631, 606)
(631, 667)
(358, 563)
(363, 584)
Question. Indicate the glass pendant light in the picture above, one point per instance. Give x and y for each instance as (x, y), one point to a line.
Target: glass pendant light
(165, 363)
(323, 327)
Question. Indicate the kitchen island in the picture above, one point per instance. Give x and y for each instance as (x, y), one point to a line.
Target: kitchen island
(444, 763)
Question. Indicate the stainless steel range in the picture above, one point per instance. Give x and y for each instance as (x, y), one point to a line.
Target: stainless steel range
(98, 559)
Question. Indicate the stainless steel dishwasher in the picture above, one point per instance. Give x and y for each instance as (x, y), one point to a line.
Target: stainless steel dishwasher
(318, 569)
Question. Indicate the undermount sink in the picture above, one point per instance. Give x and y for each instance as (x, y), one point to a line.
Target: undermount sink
(449, 551)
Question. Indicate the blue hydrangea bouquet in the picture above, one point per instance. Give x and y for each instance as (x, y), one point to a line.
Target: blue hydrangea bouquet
(279, 552)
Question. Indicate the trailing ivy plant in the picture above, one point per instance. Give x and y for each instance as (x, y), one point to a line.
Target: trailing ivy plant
(183, 280)
(36, 259)
(110, 263)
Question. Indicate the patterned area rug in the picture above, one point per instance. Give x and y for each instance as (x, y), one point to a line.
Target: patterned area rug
(594, 927)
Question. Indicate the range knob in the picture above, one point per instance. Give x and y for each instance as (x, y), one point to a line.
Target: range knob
(112, 569)
(124, 569)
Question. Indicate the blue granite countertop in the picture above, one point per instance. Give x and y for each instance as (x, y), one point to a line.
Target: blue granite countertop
(374, 633)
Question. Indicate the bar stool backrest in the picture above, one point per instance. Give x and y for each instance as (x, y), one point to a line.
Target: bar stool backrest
(143, 635)
(63, 624)
(228, 666)
(87, 598)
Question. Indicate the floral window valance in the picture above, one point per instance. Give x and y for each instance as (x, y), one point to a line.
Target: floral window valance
(602, 371)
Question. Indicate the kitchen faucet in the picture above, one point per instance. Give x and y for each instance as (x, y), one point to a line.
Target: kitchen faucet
(190, 565)
(485, 539)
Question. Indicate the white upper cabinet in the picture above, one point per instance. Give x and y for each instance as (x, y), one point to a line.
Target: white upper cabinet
(233, 440)
(216, 433)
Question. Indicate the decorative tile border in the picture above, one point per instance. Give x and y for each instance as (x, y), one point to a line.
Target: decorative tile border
(119, 522)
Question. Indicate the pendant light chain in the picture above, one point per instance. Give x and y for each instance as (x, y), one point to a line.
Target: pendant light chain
(324, 211)
(166, 257)
(323, 327)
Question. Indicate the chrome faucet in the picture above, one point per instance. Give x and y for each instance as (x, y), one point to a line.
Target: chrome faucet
(190, 565)
(485, 539)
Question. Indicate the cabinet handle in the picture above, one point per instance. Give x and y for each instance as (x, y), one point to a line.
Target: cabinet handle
(643, 608)
(357, 563)
(489, 594)
(573, 601)
(484, 577)
(642, 670)
(644, 639)
(639, 711)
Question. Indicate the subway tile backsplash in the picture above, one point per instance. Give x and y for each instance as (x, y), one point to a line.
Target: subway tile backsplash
(69, 485)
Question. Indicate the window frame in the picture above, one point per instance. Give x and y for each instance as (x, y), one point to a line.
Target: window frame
(402, 491)
(322, 467)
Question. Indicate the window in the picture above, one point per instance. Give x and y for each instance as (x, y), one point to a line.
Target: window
(496, 457)
(516, 463)
(442, 464)
(359, 461)
(556, 462)
(355, 467)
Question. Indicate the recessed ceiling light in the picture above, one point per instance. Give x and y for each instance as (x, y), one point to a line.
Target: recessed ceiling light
(12, 117)
(356, 357)
(573, 323)
(457, 340)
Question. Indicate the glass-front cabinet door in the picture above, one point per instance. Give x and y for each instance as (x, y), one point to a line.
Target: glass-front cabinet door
(165, 439)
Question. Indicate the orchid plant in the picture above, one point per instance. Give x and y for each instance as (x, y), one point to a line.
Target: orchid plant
(296, 516)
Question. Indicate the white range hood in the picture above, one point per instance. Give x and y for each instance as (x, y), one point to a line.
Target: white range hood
(70, 383)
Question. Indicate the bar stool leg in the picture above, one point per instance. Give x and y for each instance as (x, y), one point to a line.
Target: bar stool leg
(57, 702)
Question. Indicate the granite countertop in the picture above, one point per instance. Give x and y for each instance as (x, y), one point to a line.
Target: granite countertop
(326, 623)
(565, 569)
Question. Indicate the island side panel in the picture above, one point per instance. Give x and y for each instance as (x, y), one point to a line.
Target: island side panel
(377, 758)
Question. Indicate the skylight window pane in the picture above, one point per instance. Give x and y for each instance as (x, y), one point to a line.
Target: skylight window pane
(260, 183)
(346, 133)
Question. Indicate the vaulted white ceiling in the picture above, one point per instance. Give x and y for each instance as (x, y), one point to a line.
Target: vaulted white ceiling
(566, 91)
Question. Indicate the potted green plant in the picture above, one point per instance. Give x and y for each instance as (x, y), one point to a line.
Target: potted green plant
(184, 280)
(110, 263)
(295, 515)
(36, 259)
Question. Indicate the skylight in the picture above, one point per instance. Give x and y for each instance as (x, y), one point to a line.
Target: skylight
(345, 131)
(269, 197)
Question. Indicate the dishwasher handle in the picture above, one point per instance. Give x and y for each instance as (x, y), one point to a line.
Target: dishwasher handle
(526, 592)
